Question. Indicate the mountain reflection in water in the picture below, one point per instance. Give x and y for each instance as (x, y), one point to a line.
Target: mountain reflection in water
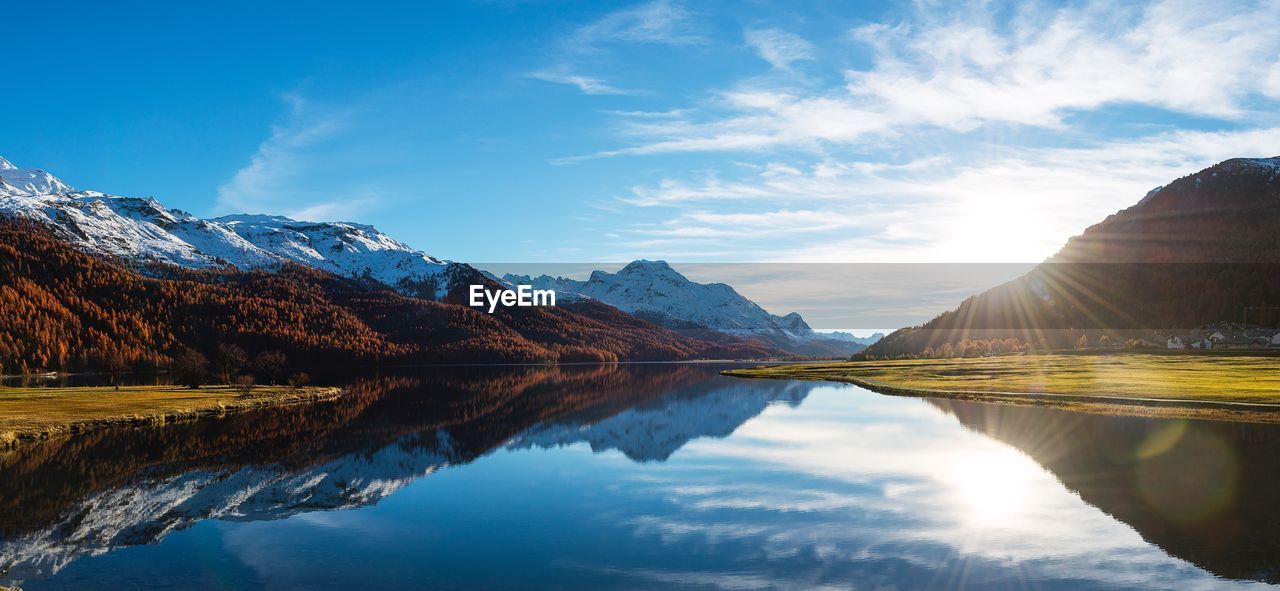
(108, 489)
(716, 483)
(1204, 491)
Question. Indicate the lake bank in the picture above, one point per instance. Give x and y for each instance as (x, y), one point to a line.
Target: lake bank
(1225, 388)
(420, 476)
(28, 414)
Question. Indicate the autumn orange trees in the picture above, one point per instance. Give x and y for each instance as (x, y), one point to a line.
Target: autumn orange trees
(65, 310)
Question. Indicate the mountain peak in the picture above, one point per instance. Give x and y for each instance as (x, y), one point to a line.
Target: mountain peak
(657, 292)
(1262, 165)
(794, 322)
(143, 229)
(253, 218)
(29, 181)
(647, 266)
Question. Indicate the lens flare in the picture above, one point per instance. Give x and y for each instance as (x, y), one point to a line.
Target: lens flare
(991, 485)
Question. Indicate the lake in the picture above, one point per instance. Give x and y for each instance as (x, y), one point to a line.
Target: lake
(644, 477)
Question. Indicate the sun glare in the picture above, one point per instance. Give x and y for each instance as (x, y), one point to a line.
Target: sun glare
(991, 485)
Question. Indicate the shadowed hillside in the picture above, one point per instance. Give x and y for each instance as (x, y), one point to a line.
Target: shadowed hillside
(1198, 251)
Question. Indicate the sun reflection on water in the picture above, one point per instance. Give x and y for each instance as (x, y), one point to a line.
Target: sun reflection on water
(992, 485)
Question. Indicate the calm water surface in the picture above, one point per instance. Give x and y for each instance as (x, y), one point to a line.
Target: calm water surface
(645, 477)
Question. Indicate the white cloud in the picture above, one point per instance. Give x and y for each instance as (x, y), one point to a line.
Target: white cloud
(1271, 86)
(266, 183)
(992, 117)
(759, 119)
(334, 210)
(660, 21)
(300, 169)
(956, 68)
(585, 84)
(1183, 56)
(1019, 207)
(779, 48)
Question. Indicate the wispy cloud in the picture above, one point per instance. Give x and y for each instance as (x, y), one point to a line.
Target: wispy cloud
(757, 120)
(660, 22)
(958, 68)
(956, 71)
(779, 48)
(1016, 208)
(973, 135)
(344, 209)
(275, 180)
(585, 84)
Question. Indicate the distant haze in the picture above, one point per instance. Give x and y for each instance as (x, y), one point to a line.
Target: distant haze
(830, 296)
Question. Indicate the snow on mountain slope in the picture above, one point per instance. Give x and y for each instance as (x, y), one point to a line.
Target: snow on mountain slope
(655, 291)
(340, 247)
(144, 230)
(148, 510)
(655, 431)
(849, 337)
(28, 181)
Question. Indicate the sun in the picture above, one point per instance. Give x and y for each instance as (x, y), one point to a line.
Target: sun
(991, 485)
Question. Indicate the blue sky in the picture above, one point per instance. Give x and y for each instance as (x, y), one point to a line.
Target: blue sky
(694, 131)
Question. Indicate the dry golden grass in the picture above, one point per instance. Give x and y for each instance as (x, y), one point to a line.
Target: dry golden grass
(36, 413)
(1132, 379)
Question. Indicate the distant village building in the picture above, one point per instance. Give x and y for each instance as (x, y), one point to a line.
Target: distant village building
(1223, 335)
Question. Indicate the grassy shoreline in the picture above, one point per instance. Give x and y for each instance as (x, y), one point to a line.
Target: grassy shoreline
(30, 414)
(1226, 388)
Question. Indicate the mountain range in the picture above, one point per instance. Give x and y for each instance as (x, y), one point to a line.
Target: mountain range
(144, 230)
(104, 282)
(653, 290)
(349, 453)
(1198, 250)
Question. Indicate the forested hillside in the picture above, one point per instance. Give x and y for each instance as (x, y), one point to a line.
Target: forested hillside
(65, 310)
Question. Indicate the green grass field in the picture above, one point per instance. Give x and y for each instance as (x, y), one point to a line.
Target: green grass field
(1120, 378)
(36, 413)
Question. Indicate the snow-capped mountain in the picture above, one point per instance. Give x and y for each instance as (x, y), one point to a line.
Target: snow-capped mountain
(144, 230)
(150, 506)
(657, 292)
(28, 181)
(148, 510)
(845, 336)
(653, 432)
(654, 289)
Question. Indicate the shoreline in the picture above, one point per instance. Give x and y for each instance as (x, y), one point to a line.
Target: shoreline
(1167, 408)
(28, 415)
(48, 376)
(1110, 404)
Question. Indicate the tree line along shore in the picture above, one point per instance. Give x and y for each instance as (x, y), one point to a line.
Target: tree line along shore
(29, 414)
